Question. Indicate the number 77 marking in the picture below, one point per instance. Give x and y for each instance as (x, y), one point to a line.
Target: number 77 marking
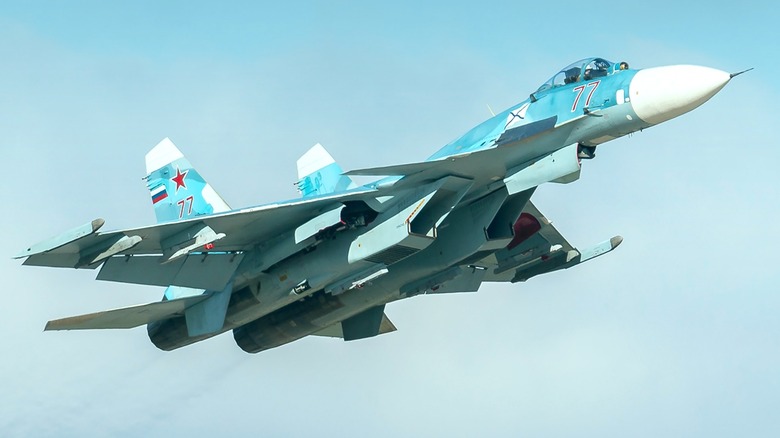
(188, 200)
(579, 89)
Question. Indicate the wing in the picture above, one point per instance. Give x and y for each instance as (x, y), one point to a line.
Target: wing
(240, 230)
(85, 247)
(127, 317)
(202, 252)
(523, 144)
(177, 252)
(544, 251)
(537, 248)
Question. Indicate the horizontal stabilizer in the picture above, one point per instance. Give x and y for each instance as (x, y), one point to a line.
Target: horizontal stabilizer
(127, 317)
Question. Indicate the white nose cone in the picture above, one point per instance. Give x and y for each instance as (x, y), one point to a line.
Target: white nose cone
(662, 93)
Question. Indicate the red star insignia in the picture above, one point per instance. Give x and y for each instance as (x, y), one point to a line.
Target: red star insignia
(179, 179)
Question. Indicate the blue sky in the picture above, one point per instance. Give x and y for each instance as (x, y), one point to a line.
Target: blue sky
(673, 334)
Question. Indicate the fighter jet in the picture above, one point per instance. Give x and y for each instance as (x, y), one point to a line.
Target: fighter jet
(328, 262)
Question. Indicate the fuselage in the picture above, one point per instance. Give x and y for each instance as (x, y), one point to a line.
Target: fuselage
(276, 300)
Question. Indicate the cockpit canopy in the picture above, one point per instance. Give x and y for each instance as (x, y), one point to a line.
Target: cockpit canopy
(582, 70)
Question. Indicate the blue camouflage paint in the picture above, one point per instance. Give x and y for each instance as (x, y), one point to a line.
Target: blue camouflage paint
(183, 200)
(328, 179)
(553, 99)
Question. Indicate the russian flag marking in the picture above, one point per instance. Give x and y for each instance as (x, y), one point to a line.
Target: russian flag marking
(158, 194)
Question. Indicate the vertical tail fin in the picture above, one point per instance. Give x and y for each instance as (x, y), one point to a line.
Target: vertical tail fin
(177, 189)
(319, 174)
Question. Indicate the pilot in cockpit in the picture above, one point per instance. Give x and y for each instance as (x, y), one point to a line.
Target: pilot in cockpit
(596, 68)
(572, 75)
(585, 69)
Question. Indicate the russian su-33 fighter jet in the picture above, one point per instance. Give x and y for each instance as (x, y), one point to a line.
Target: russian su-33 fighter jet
(328, 262)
